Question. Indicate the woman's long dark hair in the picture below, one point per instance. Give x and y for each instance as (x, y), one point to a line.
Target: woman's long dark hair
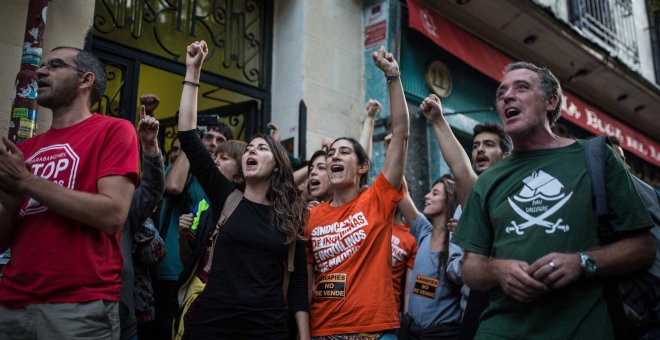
(289, 214)
(451, 202)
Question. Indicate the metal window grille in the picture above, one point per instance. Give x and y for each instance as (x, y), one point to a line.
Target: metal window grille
(611, 24)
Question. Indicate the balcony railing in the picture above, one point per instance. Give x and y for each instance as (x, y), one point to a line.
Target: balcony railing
(609, 23)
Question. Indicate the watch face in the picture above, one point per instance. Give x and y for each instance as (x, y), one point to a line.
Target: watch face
(588, 264)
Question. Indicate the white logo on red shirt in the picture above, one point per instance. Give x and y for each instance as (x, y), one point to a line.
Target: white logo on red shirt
(57, 163)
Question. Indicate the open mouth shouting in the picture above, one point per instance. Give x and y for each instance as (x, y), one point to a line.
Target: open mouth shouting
(250, 163)
(481, 161)
(336, 168)
(511, 112)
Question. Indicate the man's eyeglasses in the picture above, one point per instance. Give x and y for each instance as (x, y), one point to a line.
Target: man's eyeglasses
(59, 63)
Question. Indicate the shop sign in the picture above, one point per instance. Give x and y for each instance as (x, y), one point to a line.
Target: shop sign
(438, 79)
(491, 62)
(579, 113)
(375, 30)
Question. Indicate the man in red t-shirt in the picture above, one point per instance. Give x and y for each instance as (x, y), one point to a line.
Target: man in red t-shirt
(64, 196)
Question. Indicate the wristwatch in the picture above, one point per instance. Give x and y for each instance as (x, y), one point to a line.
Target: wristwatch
(587, 264)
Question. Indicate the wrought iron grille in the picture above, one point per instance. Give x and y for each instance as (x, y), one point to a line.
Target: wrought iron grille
(234, 29)
(110, 102)
(611, 24)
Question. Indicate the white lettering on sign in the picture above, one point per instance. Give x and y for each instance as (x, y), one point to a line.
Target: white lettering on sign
(57, 163)
(599, 123)
(607, 128)
(335, 243)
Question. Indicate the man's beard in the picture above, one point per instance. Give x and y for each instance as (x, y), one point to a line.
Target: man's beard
(56, 97)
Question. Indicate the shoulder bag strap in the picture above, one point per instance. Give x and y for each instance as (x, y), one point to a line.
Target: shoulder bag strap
(227, 209)
(290, 267)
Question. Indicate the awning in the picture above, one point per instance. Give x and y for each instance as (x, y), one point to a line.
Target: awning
(491, 62)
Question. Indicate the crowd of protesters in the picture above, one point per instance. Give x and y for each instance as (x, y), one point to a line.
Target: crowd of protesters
(230, 241)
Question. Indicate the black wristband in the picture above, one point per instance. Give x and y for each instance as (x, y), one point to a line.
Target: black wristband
(191, 83)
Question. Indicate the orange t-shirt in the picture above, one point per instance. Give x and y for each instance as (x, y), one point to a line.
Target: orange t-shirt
(404, 249)
(350, 248)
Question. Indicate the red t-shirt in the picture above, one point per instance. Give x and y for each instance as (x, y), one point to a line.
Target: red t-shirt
(350, 248)
(404, 250)
(55, 259)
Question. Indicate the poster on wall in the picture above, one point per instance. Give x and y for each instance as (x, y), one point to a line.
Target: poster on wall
(375, 29)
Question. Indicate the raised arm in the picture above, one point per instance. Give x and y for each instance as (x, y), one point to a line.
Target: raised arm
(152, 181)
(176, 178)
(105, 210)
(395, 160)
(366, 136)
(300, 176)
(195, 54)
(452, 151)
(406, 206)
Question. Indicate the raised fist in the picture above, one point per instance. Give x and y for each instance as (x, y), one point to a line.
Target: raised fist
(373, 107)
(274, 131)
(431, 108)
(150, 102)
(385, 61)
(195, 54)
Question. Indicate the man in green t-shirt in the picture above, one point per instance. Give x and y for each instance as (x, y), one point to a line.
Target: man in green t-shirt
(528, 228)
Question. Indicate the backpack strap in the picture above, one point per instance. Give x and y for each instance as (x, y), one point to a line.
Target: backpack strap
(290, 267)
(595, 159)
(227, 209)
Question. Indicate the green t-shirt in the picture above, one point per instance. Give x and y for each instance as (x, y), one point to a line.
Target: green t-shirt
(533, 203)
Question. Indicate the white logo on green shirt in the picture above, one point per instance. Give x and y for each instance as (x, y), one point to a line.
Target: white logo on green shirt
(539, 189)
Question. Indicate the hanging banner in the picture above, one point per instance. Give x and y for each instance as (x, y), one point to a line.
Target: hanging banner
(491, 62)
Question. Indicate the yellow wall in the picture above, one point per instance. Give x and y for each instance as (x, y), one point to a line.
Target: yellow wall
(167, 86)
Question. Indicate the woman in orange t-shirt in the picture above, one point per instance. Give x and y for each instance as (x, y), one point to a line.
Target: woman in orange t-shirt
(349, 237)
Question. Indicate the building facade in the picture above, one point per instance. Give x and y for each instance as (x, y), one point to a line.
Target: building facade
(305, 65)
(605, 54)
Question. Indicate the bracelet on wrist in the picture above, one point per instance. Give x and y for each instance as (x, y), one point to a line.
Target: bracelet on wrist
(392, 77)
(191, 83)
